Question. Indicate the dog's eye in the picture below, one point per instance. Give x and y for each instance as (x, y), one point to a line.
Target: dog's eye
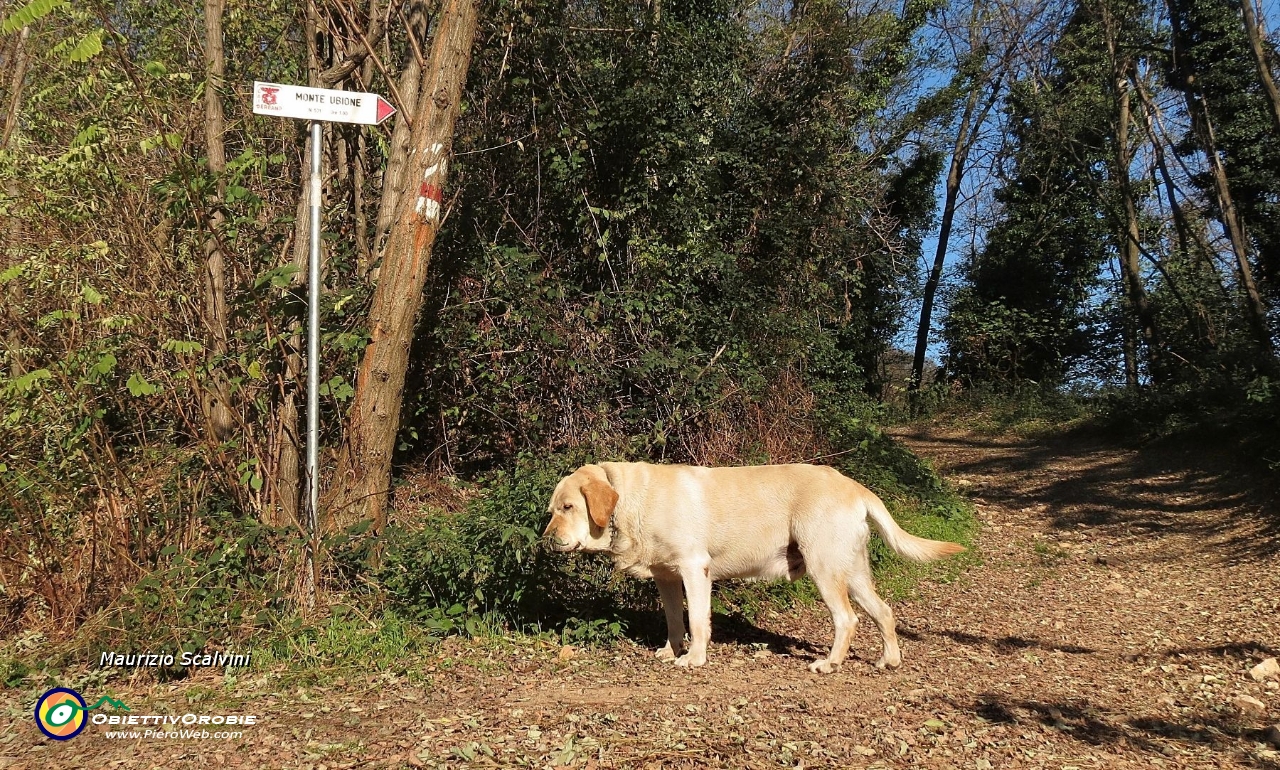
(567, 506)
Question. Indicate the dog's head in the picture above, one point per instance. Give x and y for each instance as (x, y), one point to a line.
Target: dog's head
(580, 510)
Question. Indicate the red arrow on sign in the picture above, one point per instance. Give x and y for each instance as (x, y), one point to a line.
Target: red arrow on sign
(385, 110)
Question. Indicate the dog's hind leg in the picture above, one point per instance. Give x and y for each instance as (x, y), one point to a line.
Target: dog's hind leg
(864, 593)
(836, 594)
(673, 605)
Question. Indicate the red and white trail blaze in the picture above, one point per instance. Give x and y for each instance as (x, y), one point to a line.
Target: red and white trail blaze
(429, 193)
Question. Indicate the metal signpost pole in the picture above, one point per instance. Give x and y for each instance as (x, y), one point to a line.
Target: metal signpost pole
(313, 368)
(318, 105)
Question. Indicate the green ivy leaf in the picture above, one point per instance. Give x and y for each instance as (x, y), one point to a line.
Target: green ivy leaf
(106, 363)
(182, 347)
(279, 277)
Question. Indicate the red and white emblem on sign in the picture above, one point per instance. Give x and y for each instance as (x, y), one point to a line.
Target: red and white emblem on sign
(268, 94)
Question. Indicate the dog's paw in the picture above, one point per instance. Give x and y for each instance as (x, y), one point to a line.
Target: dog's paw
(887, 662)
(823, 667)
(690, 660)
(666, 653)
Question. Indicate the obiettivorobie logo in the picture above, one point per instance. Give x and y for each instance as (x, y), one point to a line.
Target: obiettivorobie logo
(61, 713)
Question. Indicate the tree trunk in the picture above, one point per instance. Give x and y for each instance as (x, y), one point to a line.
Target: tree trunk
(959, 154)
(17, 60)
(990, 77)
(1166, 179)
(394, 177)
(288, 437)
(1130, 350)
(362, 483)
(364, 249)
(1191, 239)
(12, 235)
(1254, 306)
(1202, 127)
(1187, 243)
(216, 394)
(1129, 235)
(1130, 253)
(1254, 29)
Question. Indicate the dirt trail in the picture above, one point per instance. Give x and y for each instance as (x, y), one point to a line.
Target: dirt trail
(1122, 598)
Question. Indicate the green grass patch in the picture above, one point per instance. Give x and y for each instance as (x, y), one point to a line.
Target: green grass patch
(346, 640)
(897, 578)
(1025, 410)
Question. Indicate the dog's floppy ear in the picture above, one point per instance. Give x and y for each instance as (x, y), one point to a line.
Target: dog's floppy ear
(601, 500)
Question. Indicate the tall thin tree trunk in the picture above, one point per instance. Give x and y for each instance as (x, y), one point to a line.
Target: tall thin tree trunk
(1253, 28)
(364, 249)
(1202, 127)
(288, 437)
(1190, 241)
(1131, 237)
(989, 77)
(217, 393)
(357, 153)
(1255, 309)
(18, 61)
(955, 173)
(362, 485)
(1129, 346)
(12, 235)
(1175, 207)
(1187, 243)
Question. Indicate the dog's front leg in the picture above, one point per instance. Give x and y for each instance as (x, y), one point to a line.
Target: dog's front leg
(697, 588)
(673, 605)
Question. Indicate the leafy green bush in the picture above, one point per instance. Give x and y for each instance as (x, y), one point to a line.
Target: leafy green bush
(1246, 412)
(459, 572)
(232, 585)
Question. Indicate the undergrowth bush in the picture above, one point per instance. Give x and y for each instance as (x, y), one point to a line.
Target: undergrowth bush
(462, 572)
(230, 586)
(993, 408)
(1246, 412)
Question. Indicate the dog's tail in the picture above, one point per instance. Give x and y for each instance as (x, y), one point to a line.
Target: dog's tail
(903, 542)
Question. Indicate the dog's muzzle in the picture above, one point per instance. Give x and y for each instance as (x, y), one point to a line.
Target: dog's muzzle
(553, 543)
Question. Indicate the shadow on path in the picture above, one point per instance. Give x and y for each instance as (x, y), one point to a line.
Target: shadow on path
(1080, 480)
(1082, 721)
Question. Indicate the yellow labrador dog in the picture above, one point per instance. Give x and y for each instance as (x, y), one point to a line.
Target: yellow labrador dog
(692, 525)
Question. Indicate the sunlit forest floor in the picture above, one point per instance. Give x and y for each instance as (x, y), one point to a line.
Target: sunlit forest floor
(1122, 598)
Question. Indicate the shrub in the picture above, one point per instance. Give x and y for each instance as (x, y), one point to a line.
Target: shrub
(455, 572)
